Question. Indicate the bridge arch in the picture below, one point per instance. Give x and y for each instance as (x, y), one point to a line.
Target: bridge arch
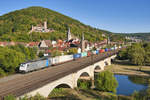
(97, 68)
(106, 63)
(66, 81)
(83, 75)
(84, 72)
(61, 85)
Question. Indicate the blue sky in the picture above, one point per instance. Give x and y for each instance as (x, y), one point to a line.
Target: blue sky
(112, 15)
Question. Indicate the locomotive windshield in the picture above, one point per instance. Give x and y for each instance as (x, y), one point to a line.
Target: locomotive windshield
(23, 65)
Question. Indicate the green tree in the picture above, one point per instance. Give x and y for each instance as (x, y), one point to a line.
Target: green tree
(147, 53)
(2, 72)
(41, 54)
(55, 53)
(10, 97)
(105, 81)
(141, 95)
(10, 59)
(136, 55)
(84, 84)
(123, 54)
(72, 51)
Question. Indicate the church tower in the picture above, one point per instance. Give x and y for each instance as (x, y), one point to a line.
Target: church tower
(82, 43)
(68, 34)
(108, 40)
(45, 25)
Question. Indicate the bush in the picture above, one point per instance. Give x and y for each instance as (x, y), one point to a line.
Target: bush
(9, 97)
(37, 97)
(55, 53)
(84, 84)
(41, 54)
(141, 95)
(105, 81)
(122, 55)
(2, 72)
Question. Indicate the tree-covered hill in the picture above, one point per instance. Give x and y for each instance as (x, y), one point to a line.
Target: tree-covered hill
(16, 25)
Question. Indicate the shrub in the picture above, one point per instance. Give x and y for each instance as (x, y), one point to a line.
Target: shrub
(105, 81)
(41, 54)
(84, 84)
(2, 72)
(9, 97)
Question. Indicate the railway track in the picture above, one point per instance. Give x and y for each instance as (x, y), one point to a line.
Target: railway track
(34, 80)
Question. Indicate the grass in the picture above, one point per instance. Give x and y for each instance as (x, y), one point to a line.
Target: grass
(124, 67)
(82, 94)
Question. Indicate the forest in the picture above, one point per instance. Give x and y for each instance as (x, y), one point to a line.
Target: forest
(11, 57)
(16, 25)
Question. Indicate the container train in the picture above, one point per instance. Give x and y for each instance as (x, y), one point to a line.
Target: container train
(49, 61)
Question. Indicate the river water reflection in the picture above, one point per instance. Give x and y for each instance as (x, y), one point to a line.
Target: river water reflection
(128, 84)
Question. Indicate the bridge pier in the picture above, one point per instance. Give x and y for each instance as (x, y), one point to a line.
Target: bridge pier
(92, 83)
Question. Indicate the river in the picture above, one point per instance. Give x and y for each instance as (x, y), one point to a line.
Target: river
(128, 84)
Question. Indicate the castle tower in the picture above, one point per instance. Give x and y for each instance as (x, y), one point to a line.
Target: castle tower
(82, 43)
(68, 34)
(45, 25)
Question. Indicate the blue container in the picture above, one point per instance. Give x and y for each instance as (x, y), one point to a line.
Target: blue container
(47, 63)
(83, 54)
(97, 52)
(106, 49)
(78, 55)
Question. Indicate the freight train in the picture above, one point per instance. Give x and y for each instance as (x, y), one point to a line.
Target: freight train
(49, 61)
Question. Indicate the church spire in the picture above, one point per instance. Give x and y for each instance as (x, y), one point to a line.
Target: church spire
(68, 34)
(82, 43)
(82, 36)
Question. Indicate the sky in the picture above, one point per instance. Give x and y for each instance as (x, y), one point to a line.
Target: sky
(119, 16)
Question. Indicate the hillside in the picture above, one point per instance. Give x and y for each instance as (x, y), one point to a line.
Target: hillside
(16, 25)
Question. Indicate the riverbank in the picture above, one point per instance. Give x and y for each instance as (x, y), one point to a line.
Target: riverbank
(80, 94)
(124, 68)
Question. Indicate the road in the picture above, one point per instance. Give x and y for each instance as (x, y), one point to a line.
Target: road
(27, 82)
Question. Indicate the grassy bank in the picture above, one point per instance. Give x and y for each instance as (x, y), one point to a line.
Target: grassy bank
(82, 94)
(125, 68)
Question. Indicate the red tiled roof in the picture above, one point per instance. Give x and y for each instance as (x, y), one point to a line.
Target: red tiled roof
(33, 43)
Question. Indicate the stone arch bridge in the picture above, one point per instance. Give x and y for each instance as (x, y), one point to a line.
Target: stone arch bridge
(44, 81)
(71, 79)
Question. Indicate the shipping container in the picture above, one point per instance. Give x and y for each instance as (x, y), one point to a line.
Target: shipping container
(112, 48)
(94, 52)
(78, 55)
(65, 58)
(97, 52)
(61, 59)
(84, 54)
(109, 49)
(101, 51)
(88, 53)
(106, 49)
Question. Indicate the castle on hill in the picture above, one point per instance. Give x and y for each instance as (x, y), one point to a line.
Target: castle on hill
(41, 28)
